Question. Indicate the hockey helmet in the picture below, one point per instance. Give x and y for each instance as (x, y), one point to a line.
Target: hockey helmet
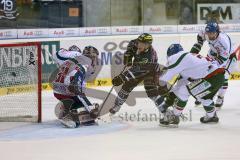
(174, 49)
(92, 53)
(74, 48)
(212, 26)
(145, 38)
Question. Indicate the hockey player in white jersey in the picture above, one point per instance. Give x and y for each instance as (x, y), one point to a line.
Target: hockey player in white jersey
(74, 107)
(200, 77)
(221, 50)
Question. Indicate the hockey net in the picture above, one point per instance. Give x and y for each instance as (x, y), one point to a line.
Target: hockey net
(20, 82)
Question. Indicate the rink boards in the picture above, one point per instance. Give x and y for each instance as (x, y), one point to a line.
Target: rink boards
(111, 50)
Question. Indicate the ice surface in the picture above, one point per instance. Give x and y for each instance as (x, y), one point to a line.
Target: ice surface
(131, 136)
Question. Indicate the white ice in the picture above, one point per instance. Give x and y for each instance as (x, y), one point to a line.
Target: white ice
(124, 139)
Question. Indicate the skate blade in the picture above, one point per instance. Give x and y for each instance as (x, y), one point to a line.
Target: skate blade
(212, 123)
(169, 125)
(90, 124)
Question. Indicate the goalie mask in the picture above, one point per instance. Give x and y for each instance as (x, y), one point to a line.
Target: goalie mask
(92, 53)
(74, 48)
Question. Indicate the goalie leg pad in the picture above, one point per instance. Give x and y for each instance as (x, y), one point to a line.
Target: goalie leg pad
(71, 119)
(63, 108)
(59, 110)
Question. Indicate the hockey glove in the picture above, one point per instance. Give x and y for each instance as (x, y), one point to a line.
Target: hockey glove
(118, 80)
(127, 60)
(163, 88)
(196, 48)
(75, 89)
(75, 85)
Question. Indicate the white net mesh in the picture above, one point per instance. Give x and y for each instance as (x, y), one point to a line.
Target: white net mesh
(19, 82)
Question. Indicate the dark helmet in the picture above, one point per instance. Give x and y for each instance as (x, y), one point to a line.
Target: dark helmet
(145, 38)
(174, 49)
(212, 26)
(74, 48)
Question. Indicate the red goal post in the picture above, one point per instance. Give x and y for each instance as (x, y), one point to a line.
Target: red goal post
(20, 82)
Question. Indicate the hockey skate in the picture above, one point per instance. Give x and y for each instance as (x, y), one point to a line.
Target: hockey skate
(94, 111)
(207, 119)
(70, 120)
(219, 102)
(169, 119)
(114, 109)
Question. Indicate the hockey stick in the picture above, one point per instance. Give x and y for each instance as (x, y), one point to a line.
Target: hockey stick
(108, 95)
(175, 80)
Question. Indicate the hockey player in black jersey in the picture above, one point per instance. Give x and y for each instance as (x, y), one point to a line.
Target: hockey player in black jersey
(141, 59)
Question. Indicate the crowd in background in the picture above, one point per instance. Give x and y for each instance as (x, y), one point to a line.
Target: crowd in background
(96, 13)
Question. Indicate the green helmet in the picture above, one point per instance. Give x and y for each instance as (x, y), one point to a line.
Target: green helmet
(145, 38)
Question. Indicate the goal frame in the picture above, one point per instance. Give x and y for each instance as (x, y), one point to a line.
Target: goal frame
(39, 62)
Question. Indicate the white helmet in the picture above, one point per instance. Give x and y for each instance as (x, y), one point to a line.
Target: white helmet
(92, 53)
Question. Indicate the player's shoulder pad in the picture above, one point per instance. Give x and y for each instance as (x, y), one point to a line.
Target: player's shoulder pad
(176, 59)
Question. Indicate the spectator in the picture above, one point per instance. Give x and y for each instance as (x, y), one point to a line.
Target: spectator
(186, 13)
